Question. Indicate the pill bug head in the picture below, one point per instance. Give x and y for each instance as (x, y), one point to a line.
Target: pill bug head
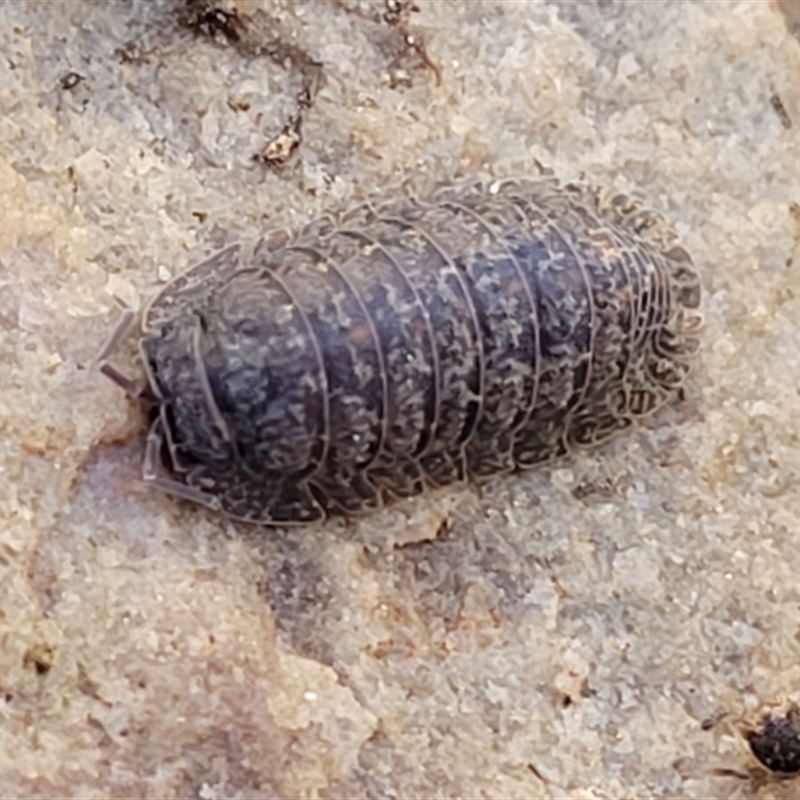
(236, 381)
(183, 376)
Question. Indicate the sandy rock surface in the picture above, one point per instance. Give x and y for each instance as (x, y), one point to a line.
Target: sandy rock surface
(563, 634)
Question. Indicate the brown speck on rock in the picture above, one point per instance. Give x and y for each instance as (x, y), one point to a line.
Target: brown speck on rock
(40, 657)
(780, 109)
(279, 149)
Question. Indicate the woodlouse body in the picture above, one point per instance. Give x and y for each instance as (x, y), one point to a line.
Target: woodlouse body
(414, 344)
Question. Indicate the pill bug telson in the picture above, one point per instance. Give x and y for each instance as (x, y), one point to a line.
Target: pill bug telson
(412, 344)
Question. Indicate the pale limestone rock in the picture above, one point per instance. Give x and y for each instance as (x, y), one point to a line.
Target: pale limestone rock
(563, 634)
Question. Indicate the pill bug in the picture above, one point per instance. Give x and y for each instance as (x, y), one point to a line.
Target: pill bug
(774, 737)
(412, 344)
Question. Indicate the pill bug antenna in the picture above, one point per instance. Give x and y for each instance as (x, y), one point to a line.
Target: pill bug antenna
(138, 391)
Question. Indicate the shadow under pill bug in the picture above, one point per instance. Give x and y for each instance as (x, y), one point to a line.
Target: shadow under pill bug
(412, 344)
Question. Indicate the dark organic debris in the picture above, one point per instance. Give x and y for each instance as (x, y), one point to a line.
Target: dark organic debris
(71, 80)
(280, 148)
(258, 35)
(217, 19)
(394, 35)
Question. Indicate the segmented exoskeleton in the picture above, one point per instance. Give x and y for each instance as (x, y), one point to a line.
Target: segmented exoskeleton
(412, 344)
